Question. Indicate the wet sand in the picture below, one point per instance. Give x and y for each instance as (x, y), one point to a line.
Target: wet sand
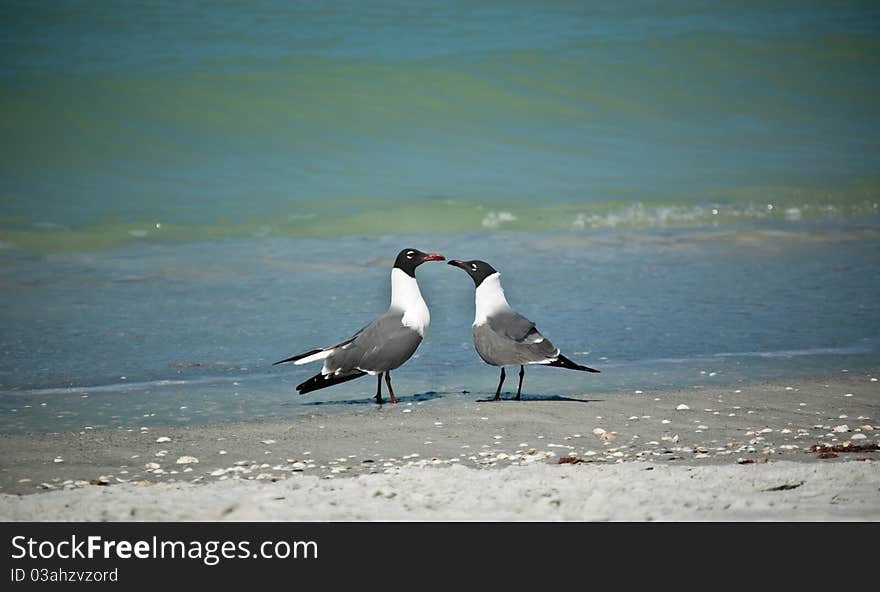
(787, 451)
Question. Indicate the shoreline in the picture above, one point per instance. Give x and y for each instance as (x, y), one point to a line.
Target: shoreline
(643, 456)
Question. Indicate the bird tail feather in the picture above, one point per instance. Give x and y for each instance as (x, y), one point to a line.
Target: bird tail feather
(563, 362)
(319, 381)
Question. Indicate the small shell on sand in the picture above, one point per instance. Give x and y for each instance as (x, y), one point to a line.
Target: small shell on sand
(858, 437)
(682, 407)
(187, 460)
(162, 439)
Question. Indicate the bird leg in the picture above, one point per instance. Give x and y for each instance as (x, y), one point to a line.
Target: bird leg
(379, 389)
(522, 372)
(498, 390)
(390, 390)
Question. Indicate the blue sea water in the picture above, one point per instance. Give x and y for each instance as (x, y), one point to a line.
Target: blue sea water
(679, 194)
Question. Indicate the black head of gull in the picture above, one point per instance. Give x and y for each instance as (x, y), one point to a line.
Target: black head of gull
(478, 270)
(408, 259)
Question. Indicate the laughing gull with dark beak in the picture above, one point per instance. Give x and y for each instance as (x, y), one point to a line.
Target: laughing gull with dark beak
(502, 336)
(383, 345)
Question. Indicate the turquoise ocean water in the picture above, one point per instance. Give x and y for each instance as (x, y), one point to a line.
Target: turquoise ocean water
(191, 191)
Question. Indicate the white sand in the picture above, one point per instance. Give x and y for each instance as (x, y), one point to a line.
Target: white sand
(782, 491)
(711, 454)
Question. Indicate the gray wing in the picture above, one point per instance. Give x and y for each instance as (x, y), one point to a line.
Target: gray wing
(384, 344)
(512, 325)
(510, 339)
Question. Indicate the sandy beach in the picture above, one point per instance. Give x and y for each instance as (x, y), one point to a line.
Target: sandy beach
(799, 451)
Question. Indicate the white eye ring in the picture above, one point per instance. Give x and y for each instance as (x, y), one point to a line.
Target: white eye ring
(473, 267)
(409, 255)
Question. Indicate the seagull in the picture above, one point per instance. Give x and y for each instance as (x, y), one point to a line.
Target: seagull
(502, 336)
(384, 344)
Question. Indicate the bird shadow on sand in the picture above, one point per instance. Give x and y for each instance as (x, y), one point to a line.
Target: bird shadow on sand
(414, 398)
(526, 398)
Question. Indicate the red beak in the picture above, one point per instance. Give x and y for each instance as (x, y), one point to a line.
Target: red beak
(434, 257)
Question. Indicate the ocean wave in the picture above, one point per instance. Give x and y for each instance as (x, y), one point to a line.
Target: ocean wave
(124, 387)
(720, 357)
(390, 217)
(526, 116)
(243, 381)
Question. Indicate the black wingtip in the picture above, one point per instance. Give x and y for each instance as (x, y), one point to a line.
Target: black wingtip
(563, 362)
(319, 381)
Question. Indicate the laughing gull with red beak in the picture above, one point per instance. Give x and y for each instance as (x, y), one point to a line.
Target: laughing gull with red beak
(502, 336)
(383, 345)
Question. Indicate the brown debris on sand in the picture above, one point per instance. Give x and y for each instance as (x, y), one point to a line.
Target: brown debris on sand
(845, 447)
(827, 451)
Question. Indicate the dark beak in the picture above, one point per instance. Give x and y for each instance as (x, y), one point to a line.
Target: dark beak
(457, 263)
(434, 257)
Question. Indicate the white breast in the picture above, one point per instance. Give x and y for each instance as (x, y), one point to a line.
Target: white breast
(406, 297)
(489, 299)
